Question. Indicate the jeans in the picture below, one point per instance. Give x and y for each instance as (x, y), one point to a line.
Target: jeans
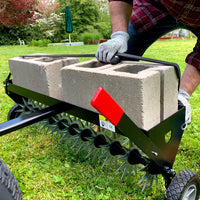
(139, 42)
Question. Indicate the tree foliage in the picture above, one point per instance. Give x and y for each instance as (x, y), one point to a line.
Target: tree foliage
(87, 16)
(17, 13)
(84, 14)
(46, 7)
(49, 26)
(36, 19)
(49, 22)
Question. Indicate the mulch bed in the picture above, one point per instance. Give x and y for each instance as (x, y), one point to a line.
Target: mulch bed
(169, 38)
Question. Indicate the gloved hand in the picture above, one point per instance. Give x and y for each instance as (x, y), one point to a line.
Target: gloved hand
(184, 97)
(117, 43)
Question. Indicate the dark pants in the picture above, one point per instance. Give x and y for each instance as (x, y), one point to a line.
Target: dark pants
(139, 42)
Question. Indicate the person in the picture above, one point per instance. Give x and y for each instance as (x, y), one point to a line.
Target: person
(136, 24)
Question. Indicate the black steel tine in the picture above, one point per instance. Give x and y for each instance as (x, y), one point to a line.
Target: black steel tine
(105, 161)
(125, 171)
(122, 166)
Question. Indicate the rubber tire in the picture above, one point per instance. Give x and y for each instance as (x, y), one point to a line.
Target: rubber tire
(12, 114)
(179, 184)
(9, 188)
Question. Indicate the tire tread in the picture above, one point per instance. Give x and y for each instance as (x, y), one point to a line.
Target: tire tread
(174, 191)
(8, 180)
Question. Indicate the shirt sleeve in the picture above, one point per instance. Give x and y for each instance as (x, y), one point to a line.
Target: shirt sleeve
(194, 57)
(127, 1)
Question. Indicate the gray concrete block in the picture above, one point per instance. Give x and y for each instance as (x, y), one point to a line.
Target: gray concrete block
(133, 85)
(41, 75)
(168, 92)
(168, 89)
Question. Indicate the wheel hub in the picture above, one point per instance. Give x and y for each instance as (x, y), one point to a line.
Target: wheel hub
(190, 192)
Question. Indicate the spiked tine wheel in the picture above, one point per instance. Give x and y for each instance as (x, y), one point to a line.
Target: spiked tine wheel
(14, 112)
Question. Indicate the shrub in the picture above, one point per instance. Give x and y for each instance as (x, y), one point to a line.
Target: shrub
(91, 38)
(10, 35)
(39, 43)
(50, 26)
(104, 28)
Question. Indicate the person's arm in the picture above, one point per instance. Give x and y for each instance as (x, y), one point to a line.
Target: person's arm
(189, 82)
(120, 13)
(190, 79)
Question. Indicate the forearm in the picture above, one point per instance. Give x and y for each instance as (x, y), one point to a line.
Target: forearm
(120, 13)
(190, 79)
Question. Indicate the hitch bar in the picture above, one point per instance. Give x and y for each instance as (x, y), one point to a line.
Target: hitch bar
(29, 119)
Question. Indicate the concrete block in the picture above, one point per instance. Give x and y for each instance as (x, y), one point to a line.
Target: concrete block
(168, 92)
(133, 85)
(41, 75)
(168, 86)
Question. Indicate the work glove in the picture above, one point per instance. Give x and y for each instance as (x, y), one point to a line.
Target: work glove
(183, 98)
(117, 43)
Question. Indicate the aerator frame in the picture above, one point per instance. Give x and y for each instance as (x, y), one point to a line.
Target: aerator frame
(153, 143)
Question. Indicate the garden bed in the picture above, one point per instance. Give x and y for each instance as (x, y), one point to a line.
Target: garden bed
(169, 38)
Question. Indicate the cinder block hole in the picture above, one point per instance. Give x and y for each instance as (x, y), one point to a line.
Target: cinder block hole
(133, 69)
(168, 136)
(91, 64)
(28, 58)
(48, 59)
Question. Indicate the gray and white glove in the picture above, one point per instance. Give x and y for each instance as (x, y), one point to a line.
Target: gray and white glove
(184, 97)
(117, 43)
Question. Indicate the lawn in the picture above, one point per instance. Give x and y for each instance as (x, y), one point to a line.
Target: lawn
(47, 169)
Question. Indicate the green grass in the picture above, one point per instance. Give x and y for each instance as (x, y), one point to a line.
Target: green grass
(47, 169)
